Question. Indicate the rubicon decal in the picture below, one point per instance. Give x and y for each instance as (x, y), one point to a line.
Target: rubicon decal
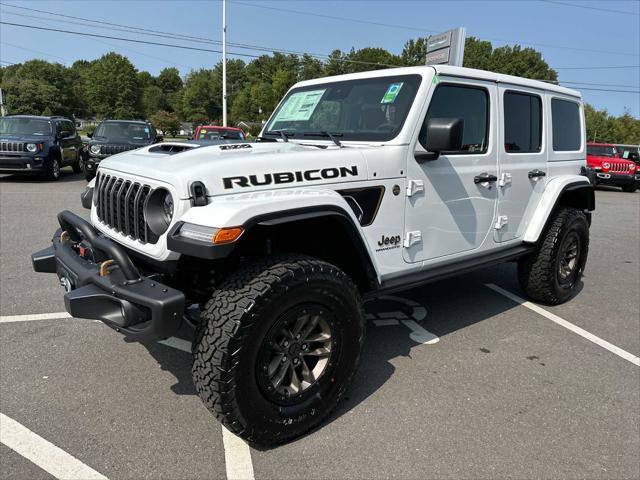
(289, 177)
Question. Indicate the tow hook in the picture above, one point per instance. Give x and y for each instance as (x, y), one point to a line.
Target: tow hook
(66, 284)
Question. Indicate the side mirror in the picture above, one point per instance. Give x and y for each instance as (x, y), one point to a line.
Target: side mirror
(439, 135)
(64, 134)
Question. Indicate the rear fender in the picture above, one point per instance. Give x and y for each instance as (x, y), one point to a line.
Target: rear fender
(571, 190)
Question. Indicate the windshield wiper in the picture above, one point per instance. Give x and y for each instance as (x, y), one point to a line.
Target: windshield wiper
(283, 134)
(324, 133)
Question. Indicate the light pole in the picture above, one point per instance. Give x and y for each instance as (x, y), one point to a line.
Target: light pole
(224, 63)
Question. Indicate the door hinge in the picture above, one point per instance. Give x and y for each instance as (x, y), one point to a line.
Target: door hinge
(414, 186)
(505, 179)
(411, 238)
(502, 221)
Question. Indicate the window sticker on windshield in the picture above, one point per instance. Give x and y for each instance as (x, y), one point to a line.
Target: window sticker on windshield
(300, 106)
(391, 93)
(146, 129)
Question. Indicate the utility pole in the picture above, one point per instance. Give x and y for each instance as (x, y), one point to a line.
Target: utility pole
(224, 63)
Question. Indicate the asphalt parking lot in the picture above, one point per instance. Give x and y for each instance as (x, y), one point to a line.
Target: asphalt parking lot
(476, 386)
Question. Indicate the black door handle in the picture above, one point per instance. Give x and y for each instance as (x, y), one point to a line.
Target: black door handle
(485, 178)
(536, 173)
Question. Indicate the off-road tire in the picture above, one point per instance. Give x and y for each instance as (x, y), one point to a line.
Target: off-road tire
(242, 312)
(51, 173)
(538, 273)
(629, 188)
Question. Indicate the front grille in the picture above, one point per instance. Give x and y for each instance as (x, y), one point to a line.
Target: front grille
(619, 167)
(12, 147)
(120, 205)
(113, 149)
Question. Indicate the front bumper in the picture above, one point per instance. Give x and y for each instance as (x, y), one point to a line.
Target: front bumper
(102, 283)
(617, 179)
(21, 163)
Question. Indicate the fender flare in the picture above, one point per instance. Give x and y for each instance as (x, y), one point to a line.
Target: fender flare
(315, 204)
(574, 189)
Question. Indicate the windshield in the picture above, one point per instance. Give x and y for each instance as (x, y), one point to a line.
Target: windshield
(367, 109)
(207, 133)
(601, 150)
(123, 131)
(24, 126)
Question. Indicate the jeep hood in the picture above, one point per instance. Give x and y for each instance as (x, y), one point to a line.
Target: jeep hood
(6, 137)
(243, 167)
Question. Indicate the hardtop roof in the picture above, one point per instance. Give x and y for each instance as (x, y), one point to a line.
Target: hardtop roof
(452, 71)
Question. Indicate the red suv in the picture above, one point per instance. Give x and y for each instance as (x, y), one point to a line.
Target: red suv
(610, 168)
(214, 132)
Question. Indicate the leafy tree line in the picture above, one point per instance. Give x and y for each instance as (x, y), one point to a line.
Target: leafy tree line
(111, 87)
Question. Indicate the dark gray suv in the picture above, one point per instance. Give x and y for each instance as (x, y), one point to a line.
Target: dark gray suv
(39, 145)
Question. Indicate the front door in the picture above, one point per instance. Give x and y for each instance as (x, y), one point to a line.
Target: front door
(451, 200)
(523, 159)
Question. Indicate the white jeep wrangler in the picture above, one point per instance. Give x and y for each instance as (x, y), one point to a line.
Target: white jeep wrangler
(357, 185)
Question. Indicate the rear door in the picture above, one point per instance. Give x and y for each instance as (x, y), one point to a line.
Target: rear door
(522, 153)
(448, 210)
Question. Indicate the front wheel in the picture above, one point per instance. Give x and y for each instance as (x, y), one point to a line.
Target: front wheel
(53, 167)
(278, 346)
(552, 273)
(78, 167)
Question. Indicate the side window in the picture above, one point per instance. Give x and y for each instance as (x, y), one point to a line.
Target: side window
(68, 126)
(469, 103)
(565, 117)
(522, 123)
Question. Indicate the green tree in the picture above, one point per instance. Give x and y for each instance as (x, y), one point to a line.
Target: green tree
(169, 80)
(198, 97)
(477, 53)
(414, 52)
(335, 64)
(168, 122)
(114, 91)
(370, 58)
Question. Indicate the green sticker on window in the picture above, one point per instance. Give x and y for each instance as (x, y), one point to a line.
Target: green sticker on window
(436, 79)
(391, 93)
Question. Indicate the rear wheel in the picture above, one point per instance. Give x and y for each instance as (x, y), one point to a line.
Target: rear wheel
(552, 273)
(278, 346)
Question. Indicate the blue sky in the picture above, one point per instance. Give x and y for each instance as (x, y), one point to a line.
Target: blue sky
(569, 33)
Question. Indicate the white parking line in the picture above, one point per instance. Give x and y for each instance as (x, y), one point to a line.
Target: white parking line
(237, 457)
(236, 451)
(237, 454)
(569, 326)
(43, 453)
(37, 316)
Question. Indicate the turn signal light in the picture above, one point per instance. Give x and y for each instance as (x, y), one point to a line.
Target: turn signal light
(227, 234)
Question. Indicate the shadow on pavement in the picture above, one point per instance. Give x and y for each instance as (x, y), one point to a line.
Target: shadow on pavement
(451, 305)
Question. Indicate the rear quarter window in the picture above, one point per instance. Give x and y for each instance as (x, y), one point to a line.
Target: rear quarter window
(565, 118)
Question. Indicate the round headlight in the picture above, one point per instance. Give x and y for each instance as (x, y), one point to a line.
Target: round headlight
(605, 165)
(32, 147)
(158, 210)
(95, 149)
(632, 166)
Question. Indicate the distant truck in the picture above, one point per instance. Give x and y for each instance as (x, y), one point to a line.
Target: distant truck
(116, 136)
(629, 152)
(610, 168)
(214, 132)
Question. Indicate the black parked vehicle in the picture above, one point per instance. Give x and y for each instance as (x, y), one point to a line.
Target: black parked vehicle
(116, 136)
(39, 145)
